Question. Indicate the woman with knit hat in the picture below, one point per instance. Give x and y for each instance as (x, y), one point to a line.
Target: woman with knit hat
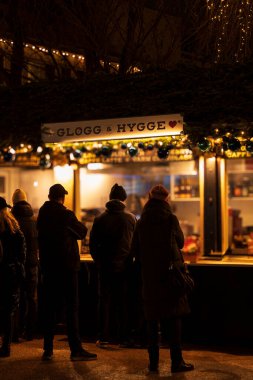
(11, 272)
(151, 248)
(27, 315)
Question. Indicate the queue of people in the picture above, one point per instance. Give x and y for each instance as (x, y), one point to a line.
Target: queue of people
(118, 243)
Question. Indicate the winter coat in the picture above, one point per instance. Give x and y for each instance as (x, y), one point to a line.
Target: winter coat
(23, 212)
(58, 232)
(12, 270)
(151, 247)
(111, 236)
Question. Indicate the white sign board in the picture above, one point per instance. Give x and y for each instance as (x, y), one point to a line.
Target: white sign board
(113, 129)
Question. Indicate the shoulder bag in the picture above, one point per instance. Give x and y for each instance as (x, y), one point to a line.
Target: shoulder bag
(179, 279)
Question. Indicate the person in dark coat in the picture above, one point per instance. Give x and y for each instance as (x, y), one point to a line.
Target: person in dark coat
(12, 272)
(151, 248)
(27, 316)
(58, 232)
(110, 242)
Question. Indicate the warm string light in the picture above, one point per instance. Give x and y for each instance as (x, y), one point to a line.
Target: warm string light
(222, 140)
(43, 49)
(231, 28)
(38, 50)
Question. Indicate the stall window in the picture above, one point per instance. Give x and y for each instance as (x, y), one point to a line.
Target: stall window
(180, 178)
(240, 198)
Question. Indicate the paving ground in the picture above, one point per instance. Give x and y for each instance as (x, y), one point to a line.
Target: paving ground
(121, 363)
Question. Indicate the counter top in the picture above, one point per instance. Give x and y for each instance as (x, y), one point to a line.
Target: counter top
(227, 260)
(86, 257)
(204, 261)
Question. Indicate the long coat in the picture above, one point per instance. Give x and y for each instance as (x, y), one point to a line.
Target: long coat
(23, 212)
(58, 232)
(11, 268)
(152, 247)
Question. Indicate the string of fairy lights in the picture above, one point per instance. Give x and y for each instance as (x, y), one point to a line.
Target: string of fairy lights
(231, 26)
(34, 52)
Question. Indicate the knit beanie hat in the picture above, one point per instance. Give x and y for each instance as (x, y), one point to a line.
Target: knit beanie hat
(159, 192)
(18, 196)
(118, 192)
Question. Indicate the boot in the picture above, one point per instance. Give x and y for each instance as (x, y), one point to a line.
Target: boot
(177, 362)
(7, 336)
(153, 352)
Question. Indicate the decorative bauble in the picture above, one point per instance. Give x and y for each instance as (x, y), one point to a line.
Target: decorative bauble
(224, 146)
(45, 161)
(249, 146)
(97, 152)
(162, 153)
(204, 144)
(170, 146)
(225, 139)
(133, 151)
(234, 144)
(77, 153)
(106, 151)
(10, 155)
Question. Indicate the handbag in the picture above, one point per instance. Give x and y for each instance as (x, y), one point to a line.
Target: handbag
(179, 280)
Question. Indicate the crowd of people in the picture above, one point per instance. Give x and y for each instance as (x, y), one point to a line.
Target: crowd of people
(46, 250)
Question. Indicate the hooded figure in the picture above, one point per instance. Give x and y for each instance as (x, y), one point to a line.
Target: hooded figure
(110, 242)
(151, 246)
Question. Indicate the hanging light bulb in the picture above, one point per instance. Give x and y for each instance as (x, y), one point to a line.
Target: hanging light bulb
(204, 144)
(39, 150)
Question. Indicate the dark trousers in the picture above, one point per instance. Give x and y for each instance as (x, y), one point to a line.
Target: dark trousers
(171, 329)
(61, 287)
(26, 316)
(7, 327)
(10, 304)
(112, 305)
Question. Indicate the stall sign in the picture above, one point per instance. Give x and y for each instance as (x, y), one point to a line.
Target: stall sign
(242, 153)
(113, 129)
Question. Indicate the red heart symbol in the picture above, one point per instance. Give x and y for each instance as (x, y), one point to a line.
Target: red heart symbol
(172, 123)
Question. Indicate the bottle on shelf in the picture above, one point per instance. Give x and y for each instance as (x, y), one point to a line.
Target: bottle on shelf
(245, 187)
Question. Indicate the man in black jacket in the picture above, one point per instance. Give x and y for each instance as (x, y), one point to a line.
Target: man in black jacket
(58, 232)
(110, 241)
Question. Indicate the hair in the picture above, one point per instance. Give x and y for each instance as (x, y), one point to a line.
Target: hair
(56, 198)
(6, 218)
